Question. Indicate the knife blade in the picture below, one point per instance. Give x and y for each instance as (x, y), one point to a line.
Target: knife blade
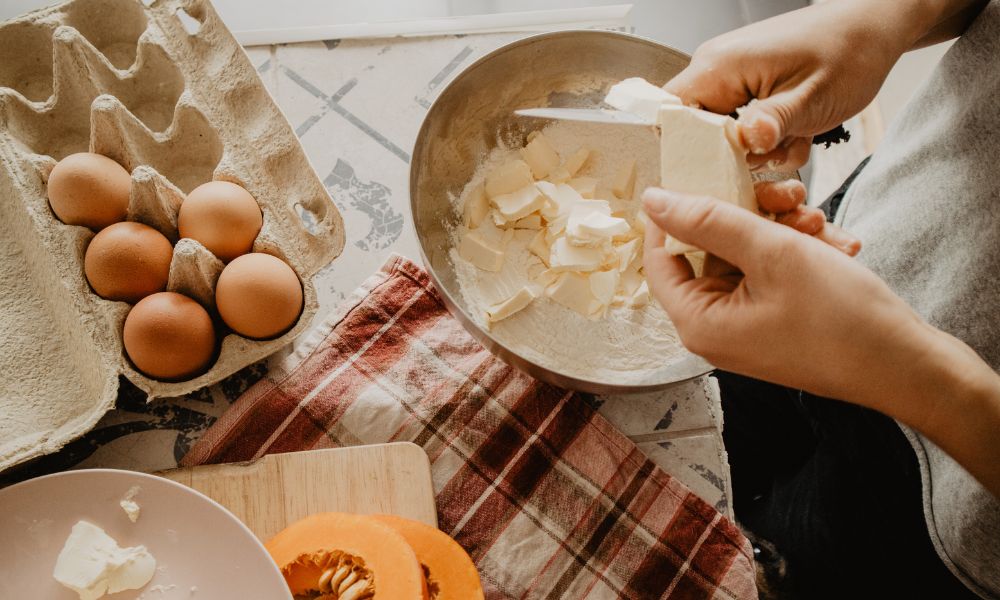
(589, 115)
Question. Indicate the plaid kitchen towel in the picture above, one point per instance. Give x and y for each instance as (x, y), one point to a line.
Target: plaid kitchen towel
(547, 497)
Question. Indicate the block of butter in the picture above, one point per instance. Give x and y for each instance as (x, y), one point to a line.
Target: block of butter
(701, 153)
(92, 564)
(641, 98)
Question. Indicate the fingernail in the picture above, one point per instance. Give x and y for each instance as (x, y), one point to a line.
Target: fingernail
(842, 240)
(794, 188)
(655, 200)
(760, 131)
(654, 204)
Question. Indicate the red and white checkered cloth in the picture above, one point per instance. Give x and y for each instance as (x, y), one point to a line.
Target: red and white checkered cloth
(547, 497)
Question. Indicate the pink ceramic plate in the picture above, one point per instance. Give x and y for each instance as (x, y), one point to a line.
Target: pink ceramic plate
(202, 551)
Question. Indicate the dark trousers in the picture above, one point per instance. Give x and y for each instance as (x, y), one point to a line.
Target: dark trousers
(834, 487)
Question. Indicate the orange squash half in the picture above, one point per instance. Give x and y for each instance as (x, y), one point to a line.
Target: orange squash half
(451, 574)
(339, 555)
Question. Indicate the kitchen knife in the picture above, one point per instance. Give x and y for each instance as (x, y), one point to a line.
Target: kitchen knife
(589, 115)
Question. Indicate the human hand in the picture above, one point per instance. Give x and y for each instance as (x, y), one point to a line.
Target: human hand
(784, 307)
(803, 72)
(772, 303)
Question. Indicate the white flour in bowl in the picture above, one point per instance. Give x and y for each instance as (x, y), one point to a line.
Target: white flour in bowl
(625, 346)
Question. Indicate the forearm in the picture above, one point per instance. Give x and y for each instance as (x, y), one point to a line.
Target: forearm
(953, 24)
(944, 390)
(911, 24)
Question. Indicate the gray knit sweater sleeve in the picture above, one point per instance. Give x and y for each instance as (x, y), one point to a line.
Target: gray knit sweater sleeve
(927, 209)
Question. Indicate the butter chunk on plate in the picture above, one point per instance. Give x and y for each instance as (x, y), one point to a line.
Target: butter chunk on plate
(701, 153)
(179, 527)
(92, 564)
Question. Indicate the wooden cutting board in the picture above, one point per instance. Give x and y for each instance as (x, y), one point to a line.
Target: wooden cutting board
(269, 493)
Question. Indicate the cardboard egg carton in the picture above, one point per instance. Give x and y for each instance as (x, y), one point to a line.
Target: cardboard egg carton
(161, 87)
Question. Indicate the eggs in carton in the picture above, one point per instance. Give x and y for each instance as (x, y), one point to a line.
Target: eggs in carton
(163, 89)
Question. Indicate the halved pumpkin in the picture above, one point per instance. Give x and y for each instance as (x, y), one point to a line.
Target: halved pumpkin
(451, 574)
(340, 556)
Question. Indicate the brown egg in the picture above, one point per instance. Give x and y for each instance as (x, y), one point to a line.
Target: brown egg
(258, 296)
(90, 190)
(169, 336)
(223, 216)
(128, 261)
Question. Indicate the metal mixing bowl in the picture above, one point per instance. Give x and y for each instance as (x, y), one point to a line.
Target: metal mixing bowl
(565, 69)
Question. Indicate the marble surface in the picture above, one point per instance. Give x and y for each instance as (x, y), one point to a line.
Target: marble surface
(356, 106)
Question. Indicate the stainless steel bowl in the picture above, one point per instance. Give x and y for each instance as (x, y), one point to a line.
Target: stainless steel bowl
(567, 68)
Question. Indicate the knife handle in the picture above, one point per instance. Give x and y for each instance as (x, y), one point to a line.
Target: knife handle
(834, 136)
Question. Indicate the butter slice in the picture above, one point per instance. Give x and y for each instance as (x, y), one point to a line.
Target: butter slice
(508, 178)
(508, 307)
(567, 257)
(555, 228)
(520, 203)
(92, 563)
(591, 224)
(584, 207)
(476, 207)
(640, 297)
(541, 157)
(498, 219)
(700, 153)
(603, 285)
(627, 253)
(637, 96)
(629, 282)
(475, 249)
(572, 290)
(561, 199)
(539, 246)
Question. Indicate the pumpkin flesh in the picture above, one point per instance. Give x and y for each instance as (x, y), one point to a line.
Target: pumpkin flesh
(340, 556)
(450, 572)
